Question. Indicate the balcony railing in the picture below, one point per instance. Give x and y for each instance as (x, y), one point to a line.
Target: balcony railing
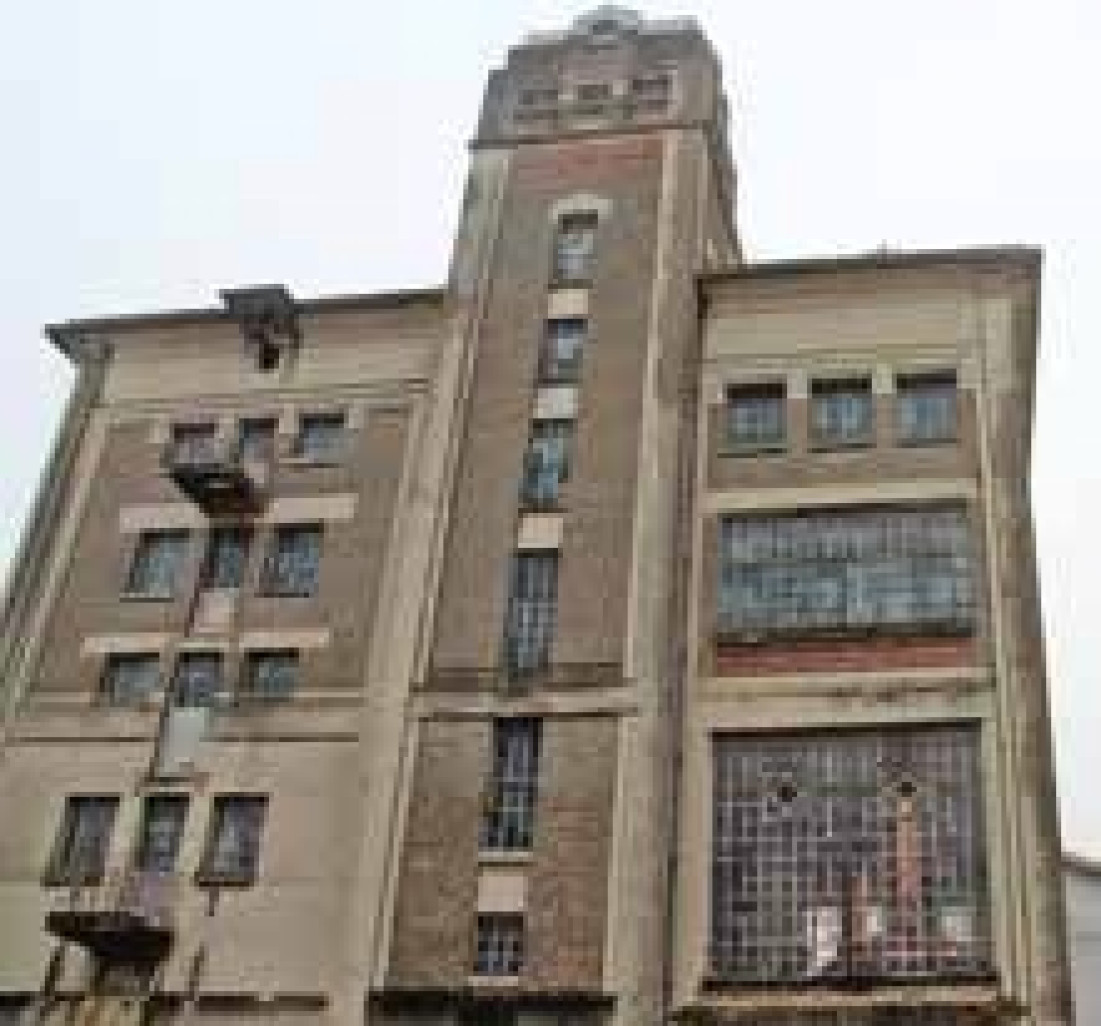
(214, 473)
(129, 917)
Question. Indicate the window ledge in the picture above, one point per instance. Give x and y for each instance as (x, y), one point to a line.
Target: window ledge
(505, 856)
(819, 445)
(269, 593)
(736, 449)
(57, 880)
(298, 460)
(147, 596)
(780, 636)
(558, 282)
(208, 879)
(922, 443)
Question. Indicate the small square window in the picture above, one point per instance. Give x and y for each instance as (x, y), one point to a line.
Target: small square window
(195, 443)
(233, 845)
(321, 437)
(293, 563)
(158, 559)
(926, 407)
(80, 852)
(500, 949)
(129, 678)
(197, 681)
(575, 247)
(256, 438)
(756, 416)
(161, 832)
(271, 675)
(842, 412)
(560, 357)
(226, 557)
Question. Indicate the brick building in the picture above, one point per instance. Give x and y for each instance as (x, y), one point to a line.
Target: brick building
(621, 633)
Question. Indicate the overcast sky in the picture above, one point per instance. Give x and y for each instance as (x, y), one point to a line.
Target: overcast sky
(156, 152)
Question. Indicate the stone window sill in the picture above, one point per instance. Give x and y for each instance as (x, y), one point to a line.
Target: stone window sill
(744, 449)
(505, 856)
(147, 596)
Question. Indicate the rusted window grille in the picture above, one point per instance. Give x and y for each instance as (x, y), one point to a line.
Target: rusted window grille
(841, 571)
(532, 611)
(500, 949)
(848, 858)
(510, 813)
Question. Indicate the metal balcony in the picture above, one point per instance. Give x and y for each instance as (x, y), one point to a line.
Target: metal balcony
(215, 475)
(128, 918)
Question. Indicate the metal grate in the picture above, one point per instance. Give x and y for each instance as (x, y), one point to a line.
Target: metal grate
(500, 950)
(848, 857)
(546, 462)
(513, 786)
(532, 610)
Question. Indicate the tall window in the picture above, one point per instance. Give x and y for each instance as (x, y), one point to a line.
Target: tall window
(293, 563)
(256, 438)
(272, 674)
(877, 567)
(158, 560)
(195, 443)
(842, 412)
(546, 462)
(575, 247)
(80, 852)
(510, 811)
(755, 415)
(848, 857)
(161, 832)
(233, 846)
(560, 358)
(532, 609)
(130, 677)
(226, 557)
(925, 406)
(321, 437)
(198, 679)
(500, 948)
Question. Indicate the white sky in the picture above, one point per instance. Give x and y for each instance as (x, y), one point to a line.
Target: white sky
(156, 152)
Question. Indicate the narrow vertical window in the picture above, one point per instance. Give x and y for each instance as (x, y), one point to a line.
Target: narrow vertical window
(256, 438)
(80, 852)
(233, 846)
(161, 832)
(546, 462)
(575, 247)
(500, 947)
(926, 408)
(513, 785)
(273, 675)
(842, 411)
(560, 358)
(532, 611)
(756, 416)
(293, 563)
(226, 557)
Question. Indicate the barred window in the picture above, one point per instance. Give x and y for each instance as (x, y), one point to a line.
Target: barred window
(161, 832)
(226, 557)
(500, 950)
(842, 412)
(130, 677)
(812, 571)
(852, 856)
(926, 407)
(560, 359)
(158, 560)
(198, 679)
(532, 609)
(755, 415)
(321, 436)
(293, 563)
(233, 846)
(80, 853)
(575, 246)
(256, 438)
(546, 462)
(510, 811)
(271, 675)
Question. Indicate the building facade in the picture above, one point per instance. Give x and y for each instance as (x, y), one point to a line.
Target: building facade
(622, 633)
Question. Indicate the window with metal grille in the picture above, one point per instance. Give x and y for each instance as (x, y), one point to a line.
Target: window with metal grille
(756, 415)
(226, 557)
(80, 852)
(842, 412)
(198, 679)
(560, 358)
(293, 562)
(884, 568)
(256, 438)
(546, 462)
(532, 609)
(575, 247)
(321, 437)
(272, 674)
(500, 948)
(161, 832)
(848, 856)
(925, 407)
(130, 677)
(158, 559)
(513, 785)
(233, 845)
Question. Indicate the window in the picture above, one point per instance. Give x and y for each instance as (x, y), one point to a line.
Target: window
(926, 408)
(560, 359)
(546, 462)
(652, 91)
(887, 568)
(161, 832)
(321, 437)
(233, 847)
(271, 675)
(13, 1009)
(198, 679)
(842, 412)
(574, 247)
(129, 678)
(539, 97)
(854, 857)
(80, 854)
(589, 92)
(510, 811)
(158, 558)
(500, 945)
(756, 416)
(195, 443)
(226, 557)
(532, 607)
(293, 564)
(256, 438)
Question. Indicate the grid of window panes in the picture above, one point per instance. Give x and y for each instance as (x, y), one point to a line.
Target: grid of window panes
(233, 847)
(271, 674)
(80, 854)
(842, 412)
(546, 462)
(925, 407)
(500, 947)
(906, 569)
(197, 681)
(848, 857)
(574, 246)
(755, 415)
(294, 560)
(510, 814)
(158, 559)
(532, 611)
(560, 358)
(130, 677)
(161, 832)
(226, 557)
